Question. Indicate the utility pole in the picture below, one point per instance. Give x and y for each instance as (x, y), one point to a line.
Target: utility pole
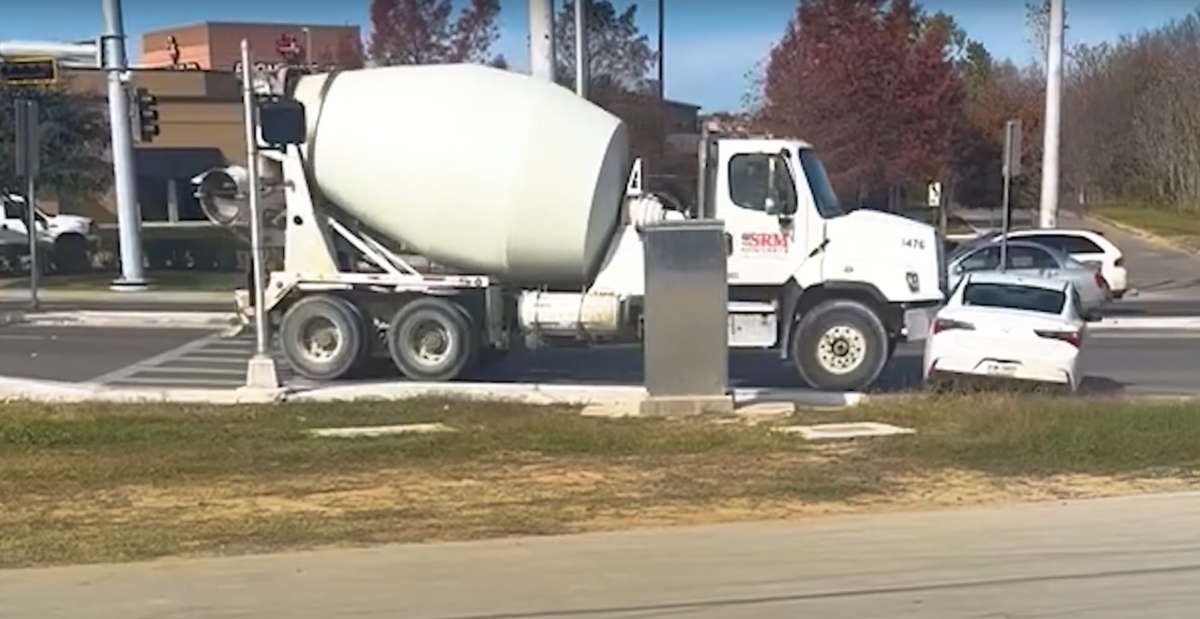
(541, 39)
(583, 68)
(1053, 118)
(124, 172)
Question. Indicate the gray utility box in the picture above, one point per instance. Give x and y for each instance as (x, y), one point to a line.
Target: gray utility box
(686, 336)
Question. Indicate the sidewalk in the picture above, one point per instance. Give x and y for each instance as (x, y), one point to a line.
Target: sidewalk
(149, 300)
(1103, 559)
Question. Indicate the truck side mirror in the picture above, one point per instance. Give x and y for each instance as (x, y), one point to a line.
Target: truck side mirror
(772, 205)
(781, 201)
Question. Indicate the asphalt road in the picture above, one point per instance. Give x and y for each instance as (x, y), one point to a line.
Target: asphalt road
(1131, 558)
(1113, 363)
(79, 353)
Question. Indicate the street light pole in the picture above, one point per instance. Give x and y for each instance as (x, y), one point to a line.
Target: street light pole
(260, 372)
(541, 39)
(662, 29)
(582, 58)
(1053, 129)
(124, 170)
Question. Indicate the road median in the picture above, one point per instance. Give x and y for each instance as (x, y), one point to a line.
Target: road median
(111, 482)
(1166, 228)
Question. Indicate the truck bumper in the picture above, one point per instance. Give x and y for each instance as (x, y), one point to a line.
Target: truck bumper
(917, 321)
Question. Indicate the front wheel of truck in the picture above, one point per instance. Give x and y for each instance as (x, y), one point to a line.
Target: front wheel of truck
(840, 345)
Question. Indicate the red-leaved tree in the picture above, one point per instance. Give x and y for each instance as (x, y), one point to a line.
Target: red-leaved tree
(871, 85)
(427, 31)
(346, 55)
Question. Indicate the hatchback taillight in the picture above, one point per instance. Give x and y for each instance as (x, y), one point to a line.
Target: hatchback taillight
(1119, 262)
(1100, 281)
(945, 324)
(1073, 338)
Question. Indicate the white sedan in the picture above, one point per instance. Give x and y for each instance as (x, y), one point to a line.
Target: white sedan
(1005, 326)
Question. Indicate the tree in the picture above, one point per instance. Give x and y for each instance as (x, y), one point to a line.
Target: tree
(347, 55)
(75, 142)
(620, 57)
(872, 85)
(424, 32)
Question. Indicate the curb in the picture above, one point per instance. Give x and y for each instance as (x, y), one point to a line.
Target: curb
(140, 319)
(1142, 234)
(610, 396)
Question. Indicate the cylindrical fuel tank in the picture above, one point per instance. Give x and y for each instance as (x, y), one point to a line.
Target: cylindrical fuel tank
(477, 168)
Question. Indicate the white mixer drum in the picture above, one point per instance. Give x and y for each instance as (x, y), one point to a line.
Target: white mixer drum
(480, 169)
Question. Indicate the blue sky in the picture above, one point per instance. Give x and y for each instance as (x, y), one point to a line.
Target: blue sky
(710, 45)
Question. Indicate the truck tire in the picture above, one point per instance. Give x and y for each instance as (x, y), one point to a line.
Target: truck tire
(840, 345)
(71, 255)
(431, 339)
(323, 338)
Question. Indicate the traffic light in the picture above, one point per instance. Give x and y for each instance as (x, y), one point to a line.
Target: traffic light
(40, 72)
(145, 116)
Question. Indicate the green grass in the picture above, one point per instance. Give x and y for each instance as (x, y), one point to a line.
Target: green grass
(1006, 435)
(121, 482)
(1179, 225)
(206, 281)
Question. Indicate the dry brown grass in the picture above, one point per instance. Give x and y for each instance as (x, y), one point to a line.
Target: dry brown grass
(101, 483)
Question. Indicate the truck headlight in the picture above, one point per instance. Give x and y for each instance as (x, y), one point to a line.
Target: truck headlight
(914, 281)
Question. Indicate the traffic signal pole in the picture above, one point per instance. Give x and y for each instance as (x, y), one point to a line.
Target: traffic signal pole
(124, 170)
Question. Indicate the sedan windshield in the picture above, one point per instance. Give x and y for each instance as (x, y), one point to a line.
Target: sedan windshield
(1015, 296)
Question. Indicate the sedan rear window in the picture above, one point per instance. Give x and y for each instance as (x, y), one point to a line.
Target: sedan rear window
(1014, 296)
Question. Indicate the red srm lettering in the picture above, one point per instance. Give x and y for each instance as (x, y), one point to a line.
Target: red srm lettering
(764, 241)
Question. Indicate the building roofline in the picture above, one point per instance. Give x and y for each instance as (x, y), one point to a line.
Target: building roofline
(210, 24)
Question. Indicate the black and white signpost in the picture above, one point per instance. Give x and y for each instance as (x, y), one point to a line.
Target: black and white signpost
(28, 161)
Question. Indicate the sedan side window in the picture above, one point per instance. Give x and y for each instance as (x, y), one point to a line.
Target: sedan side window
(986, 259)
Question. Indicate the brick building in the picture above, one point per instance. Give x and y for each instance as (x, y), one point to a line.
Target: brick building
(190, 69)
(216, 46)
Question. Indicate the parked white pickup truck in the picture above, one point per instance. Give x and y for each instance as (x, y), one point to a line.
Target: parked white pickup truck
(66, 240)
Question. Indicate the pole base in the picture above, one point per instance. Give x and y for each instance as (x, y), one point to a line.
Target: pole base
(261, 373)
(129, 285)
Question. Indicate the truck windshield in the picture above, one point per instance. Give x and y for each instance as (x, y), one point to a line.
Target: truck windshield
(818, 182)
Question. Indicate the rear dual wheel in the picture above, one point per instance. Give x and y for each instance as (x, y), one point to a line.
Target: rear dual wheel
(433, 339)
(324, 337)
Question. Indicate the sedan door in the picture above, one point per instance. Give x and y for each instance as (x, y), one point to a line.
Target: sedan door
(1033, 261)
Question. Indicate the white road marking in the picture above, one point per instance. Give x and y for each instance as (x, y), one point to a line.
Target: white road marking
(171, 355)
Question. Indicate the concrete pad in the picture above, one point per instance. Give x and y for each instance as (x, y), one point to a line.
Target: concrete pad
(833, 431)
(375, 431)
(532, 393)
(138, 319)
(805, 398)
(682, 406)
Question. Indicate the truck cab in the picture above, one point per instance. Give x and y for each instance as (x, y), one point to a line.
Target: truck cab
(834, 291)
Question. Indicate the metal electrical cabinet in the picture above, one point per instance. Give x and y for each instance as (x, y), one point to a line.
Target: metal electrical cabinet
(686, 334)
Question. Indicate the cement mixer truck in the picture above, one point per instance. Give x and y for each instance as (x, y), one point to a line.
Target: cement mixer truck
(435, 217)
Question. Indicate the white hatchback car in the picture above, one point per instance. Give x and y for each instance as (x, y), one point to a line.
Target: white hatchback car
(1086, 246)
(1005, 326)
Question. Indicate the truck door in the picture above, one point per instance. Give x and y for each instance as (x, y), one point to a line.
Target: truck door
(759, 204)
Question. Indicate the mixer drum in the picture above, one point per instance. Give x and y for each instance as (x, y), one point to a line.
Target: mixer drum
(477, 168)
